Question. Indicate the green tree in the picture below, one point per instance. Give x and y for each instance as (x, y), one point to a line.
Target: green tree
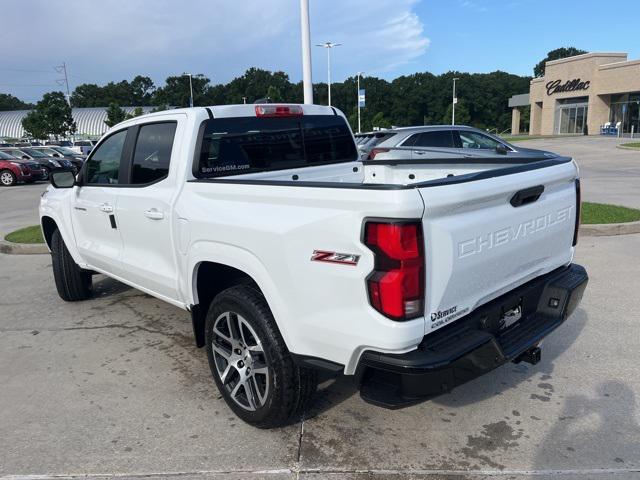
(115, 115)
(9, 102)
(176, 91)
(51, 116)
(379, 121)
(556, 54)
(35, 126)
(136, 113)
(462, 114)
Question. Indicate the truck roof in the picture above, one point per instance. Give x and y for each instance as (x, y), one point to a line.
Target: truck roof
(240, 110)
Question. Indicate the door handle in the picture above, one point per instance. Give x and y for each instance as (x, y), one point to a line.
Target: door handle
(419, 152)
(106, 208)
(154, 214)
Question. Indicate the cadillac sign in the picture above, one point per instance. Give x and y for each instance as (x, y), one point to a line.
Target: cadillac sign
(556, 86)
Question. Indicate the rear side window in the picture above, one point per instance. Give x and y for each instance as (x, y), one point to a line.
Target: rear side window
(438, 138)
(232, 146)
(104, 165)
(152, 154)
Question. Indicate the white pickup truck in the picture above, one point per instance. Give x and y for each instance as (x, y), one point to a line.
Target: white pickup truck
(295, 257)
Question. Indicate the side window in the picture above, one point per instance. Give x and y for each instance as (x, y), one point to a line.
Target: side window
(104, 165)
(438, 138)
(153, 152)
(477, 141)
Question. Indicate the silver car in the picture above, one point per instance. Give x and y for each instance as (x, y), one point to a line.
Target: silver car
(428, 141)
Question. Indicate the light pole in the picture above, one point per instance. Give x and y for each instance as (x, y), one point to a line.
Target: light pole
(359, 127)
(453, 103)
(307, 83)
(190, 88)
(328, 46)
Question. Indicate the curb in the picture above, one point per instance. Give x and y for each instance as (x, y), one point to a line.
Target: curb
(22, 248)
(622, 147)
(609, 229)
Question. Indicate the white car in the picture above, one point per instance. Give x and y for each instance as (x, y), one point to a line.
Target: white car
(293, 256)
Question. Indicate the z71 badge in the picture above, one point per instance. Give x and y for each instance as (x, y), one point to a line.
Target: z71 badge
(335, 257)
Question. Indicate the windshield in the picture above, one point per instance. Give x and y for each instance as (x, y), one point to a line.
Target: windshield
(5, 156)
(248, 144)
(34, 153)
(65, 151)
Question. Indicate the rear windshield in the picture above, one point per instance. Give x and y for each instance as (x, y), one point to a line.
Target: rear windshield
(232, 146)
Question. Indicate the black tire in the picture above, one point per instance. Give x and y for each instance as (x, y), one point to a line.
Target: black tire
(8, 178)
(72, 282)
(289, 387)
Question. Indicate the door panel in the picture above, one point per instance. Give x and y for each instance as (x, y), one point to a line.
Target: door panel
(144, 209)
(98, 242)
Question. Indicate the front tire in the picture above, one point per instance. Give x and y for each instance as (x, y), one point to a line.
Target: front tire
(72, 282)
(250, 362)
(8, 178)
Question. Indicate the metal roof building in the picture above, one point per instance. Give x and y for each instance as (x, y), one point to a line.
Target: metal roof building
(89, 121)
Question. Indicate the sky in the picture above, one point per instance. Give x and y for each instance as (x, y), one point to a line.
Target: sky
(112, 40)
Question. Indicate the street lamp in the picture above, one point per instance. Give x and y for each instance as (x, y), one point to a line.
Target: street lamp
(197, 75)
(305, 37)
(453, 103)
(328, 46)
(359, 74)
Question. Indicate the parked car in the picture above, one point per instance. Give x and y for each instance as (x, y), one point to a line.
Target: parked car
(38, 172)
(48, 163)
(293, 256)
(13, 171)
(59, 143)
(415, 142)
(70, 155)
(83, 147)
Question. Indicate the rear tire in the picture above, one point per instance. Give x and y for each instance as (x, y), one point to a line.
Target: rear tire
(8, 178)
(72, 282)
(250, 362)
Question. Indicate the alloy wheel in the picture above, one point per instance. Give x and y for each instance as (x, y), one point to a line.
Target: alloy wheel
(240, 361)
(6, 178)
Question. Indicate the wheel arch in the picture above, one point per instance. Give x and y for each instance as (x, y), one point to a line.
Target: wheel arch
(48, 226)
(212, 274)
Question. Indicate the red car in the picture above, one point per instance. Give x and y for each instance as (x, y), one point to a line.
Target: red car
(13, 171)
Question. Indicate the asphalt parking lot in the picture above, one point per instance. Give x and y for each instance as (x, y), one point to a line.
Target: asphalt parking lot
(113, 387)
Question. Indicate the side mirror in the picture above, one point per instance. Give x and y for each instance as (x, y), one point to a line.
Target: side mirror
(63, 179)
(24, 157)
(56, 155)
(501, 149)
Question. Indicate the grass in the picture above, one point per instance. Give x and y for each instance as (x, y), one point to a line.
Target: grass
(631, 145)
(593, 213)
(31, 234)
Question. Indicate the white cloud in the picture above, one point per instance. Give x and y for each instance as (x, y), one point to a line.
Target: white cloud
(115, 39)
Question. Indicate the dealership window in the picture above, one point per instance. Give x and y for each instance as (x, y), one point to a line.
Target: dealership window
(625, 109)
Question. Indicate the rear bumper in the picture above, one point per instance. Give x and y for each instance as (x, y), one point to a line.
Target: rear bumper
(474, 344)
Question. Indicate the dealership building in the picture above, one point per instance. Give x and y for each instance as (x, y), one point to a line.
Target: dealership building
(592, 93)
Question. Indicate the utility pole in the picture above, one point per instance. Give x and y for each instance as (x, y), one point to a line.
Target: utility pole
(328, 46)
(359, 126)
(453, 103)
(305, 32)
(65, 81)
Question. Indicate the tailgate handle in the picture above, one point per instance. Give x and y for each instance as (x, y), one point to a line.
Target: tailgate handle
(526, 196)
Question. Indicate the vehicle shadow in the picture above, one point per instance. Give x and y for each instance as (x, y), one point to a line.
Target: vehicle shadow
(594, 432)
(331, 393)
(104, 286)
(511, 375)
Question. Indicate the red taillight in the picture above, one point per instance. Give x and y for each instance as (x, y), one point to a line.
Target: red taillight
(375, 151)
(396, 286)
(578, 212)
(269, 110)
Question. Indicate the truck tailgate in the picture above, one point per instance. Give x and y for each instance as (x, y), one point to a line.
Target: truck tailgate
(478, 245)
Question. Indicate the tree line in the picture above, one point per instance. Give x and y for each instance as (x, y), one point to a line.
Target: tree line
(418, 99)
